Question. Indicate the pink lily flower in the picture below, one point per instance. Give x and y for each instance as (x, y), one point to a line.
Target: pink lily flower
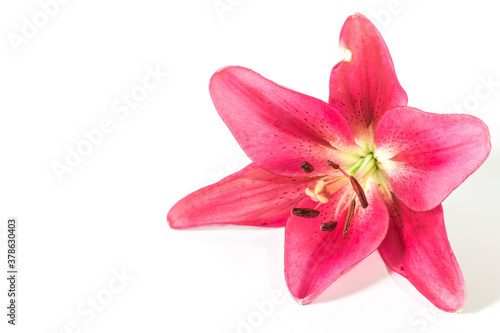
(361, 173)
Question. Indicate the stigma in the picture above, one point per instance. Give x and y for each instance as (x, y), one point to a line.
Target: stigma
(319, 194)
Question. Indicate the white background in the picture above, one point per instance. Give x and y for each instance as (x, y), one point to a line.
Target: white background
(108, 215)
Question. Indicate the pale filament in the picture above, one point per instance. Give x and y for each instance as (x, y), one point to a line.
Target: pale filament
(343, 203)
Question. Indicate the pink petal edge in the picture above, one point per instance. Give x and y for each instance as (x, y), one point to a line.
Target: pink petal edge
(251, 197)
(417, 247)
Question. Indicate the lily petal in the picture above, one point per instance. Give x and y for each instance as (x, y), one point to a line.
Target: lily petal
(417, 248)
(251, 197)
(363, 87)
(279, 128)
(314, 259)
(432, 153)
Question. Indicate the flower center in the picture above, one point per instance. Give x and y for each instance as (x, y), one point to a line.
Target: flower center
(357, 174)
(354, 175)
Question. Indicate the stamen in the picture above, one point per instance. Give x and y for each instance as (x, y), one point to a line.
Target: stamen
(328, 226)
(307, 167)
(350, 215)
(307, 213)
(333, 165)
(337, 167)
(359, 192)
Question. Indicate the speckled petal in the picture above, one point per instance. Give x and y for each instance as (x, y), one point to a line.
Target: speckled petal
(314, 259)
(279, 128)
(364, 87)
(432, 153)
